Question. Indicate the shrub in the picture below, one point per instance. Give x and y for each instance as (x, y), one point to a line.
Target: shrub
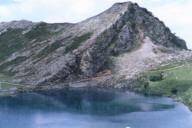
(156, 77)
(40, 32)
(146, 84)
(174, 90)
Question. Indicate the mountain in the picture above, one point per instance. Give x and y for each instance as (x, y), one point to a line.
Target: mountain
(121, 42)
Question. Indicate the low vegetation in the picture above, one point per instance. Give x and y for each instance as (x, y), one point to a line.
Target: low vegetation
(10, 42)
(6, 84)
(39, 32)
(175, 82)
(77, 42)
(13, 62)
(157, 76)
(49, 49)
(172, 64)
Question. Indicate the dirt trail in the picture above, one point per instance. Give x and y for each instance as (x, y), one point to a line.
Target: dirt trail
(12, 83)
(171, 68)
(90, 79)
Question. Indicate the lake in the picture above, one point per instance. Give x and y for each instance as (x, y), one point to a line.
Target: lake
(92, 108)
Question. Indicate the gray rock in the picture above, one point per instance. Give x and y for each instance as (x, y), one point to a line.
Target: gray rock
(50, 54)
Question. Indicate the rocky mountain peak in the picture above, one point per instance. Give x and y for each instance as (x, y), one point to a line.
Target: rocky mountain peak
(43, 54)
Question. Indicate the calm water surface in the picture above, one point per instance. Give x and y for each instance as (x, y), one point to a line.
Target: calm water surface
(92, 108)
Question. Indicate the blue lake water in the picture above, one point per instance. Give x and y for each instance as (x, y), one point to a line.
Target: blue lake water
(92, 108)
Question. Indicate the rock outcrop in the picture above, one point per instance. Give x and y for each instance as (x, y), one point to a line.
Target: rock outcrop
(51, 54)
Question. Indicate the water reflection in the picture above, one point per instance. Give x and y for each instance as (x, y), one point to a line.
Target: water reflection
(89, 101)
(92, 108)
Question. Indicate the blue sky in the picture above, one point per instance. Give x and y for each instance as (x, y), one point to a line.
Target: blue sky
(176, 14)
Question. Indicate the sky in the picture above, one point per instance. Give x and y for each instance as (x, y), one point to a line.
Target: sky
(176, 14)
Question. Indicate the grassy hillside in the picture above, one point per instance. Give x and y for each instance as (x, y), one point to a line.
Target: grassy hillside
(172, 79)
(10, 42)
(7, 86)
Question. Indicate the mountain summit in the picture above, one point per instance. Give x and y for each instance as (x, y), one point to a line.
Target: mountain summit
(123, 41)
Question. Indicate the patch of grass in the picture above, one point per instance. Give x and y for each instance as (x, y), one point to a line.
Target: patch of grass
(156, 76)
(187, 98)
(77, 42)
(167, 86)
(7, 85)
(178, 83)
(4, 82)
(30, 71)
(49, 49)
(40, 32)
(4, 77)
(13, 62)
(10, 42)
(171, 64)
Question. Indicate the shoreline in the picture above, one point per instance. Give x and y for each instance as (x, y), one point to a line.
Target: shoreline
(138, 90)
(164, 95)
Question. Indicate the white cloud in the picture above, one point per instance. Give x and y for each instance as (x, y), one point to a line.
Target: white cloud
(4, 12)
(51, 10)
(18, 0)
(83, 6)
(56, 0)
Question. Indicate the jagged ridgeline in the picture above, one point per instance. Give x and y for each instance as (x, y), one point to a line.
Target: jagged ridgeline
(42, 53)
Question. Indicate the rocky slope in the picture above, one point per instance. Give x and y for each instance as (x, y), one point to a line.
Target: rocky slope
(125, 40)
